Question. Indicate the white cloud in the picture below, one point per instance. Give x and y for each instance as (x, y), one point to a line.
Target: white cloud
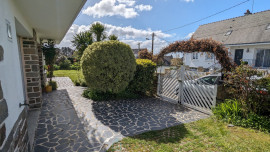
(189, 35)
(143, 7)
(188, 0)
(128, 34)
(127, 2)
(124, 8)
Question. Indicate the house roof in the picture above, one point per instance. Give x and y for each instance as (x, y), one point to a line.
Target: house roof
(240, 30)
(136, 51)
(167, 60)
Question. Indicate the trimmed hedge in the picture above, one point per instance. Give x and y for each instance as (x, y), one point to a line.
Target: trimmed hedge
(108, 66)
(144, 77)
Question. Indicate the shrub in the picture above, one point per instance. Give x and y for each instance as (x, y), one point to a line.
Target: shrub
(144, 54)
(105, 96)
(56, 67)
(80, 81)
(231, 111)
(243, 85)
(65, 65)
(144, 77)
(108, 66)
(53, 84)
(230, 107)
(75, 66)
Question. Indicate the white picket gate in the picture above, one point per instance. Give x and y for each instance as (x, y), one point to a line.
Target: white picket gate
(182, 86)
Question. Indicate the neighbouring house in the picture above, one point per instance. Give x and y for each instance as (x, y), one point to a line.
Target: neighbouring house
(22, 24)
(166, 65)
(136, 52)
(246, 37)
(167, 60)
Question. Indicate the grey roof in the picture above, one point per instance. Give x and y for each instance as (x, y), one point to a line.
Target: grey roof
(167, 60)
(136, 51)
(245, 29)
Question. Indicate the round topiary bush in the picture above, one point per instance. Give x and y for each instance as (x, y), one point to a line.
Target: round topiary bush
(108, 66)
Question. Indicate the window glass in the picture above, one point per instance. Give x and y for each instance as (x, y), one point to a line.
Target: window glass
(228, 33)
(195, 55)
(208, 80)
(263, 58)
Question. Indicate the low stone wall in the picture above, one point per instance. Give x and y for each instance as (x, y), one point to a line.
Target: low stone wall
(18, 138)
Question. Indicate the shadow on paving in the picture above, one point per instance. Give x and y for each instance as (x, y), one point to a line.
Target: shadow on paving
(132, 117)
(59, 128)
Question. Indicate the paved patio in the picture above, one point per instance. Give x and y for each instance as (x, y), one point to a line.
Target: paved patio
(104, 122)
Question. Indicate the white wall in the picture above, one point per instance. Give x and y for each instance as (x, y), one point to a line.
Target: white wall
(249, 56)
(200, 62)
(10, 69)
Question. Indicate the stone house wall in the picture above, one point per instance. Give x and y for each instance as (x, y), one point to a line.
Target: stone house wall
(32, 71)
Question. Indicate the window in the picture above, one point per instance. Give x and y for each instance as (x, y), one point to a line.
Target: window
(263, 58)
(208, 80)
(209, 56)
(228, 33)
(195, 56)
(268, 27)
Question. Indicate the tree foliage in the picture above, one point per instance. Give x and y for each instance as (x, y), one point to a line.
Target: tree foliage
(49, 52)
(98, 31)
(203, 45)
(113, 37)
(144, 54)
(81, 42)
(108, 66)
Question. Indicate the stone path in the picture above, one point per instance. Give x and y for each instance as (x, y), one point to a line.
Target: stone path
(105, 122)
(59, 128)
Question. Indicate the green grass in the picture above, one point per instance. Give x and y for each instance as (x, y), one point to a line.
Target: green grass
(72, 74)
(203, 135)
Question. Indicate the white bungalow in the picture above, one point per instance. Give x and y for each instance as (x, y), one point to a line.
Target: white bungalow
(247, 38)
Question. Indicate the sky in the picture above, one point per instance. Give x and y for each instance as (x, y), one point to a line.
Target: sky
(135, 20)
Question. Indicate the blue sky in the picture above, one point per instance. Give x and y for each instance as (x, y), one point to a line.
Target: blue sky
(132, 21)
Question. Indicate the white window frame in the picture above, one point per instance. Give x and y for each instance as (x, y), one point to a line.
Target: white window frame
(195, 56)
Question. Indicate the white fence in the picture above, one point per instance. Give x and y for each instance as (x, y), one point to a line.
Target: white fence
(188, 88)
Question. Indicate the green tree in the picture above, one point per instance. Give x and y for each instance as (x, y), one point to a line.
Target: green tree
(98, 31)
(81, 42)
(49, 52)
(113, 37)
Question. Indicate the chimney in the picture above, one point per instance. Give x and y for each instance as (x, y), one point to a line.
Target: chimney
(247, 13)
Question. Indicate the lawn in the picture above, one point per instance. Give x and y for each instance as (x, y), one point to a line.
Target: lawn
(72, 74)
(204, 135)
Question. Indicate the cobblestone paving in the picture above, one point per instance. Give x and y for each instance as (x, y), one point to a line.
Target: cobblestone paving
(59, 128)
(107, 122)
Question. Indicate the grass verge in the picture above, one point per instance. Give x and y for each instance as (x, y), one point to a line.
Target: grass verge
(203, 135)
(72, 74)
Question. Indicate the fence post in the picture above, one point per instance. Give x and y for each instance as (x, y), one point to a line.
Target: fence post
(215, 96)
(181, 81)
(159, 88)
